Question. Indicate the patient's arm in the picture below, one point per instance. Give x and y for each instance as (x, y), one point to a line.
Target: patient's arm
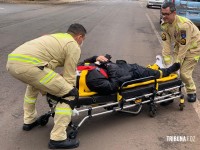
(91, 59)
(102, 58)
(103, 86)
(100, 84)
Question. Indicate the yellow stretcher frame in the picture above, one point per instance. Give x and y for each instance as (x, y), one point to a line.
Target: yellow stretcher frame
(125, 102)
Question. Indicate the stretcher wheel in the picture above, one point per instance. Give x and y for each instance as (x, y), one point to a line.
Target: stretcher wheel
(72, 134)
(43, 120)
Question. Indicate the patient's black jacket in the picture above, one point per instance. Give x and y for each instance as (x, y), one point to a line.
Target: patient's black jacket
(118, 73)
(98, 82)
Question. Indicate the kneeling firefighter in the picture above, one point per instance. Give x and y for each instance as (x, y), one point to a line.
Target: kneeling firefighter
(34, 63)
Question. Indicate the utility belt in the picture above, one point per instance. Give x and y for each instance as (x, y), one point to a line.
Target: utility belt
(53, 100)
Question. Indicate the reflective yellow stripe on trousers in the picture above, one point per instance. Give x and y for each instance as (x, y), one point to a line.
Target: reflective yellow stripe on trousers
(29, 100)
(167, 58)
(197, 58)
(48, 77)
(23, 58)
(63, 111)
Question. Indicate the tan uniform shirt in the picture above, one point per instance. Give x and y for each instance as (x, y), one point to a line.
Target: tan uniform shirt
(55, 50)
(185, 36)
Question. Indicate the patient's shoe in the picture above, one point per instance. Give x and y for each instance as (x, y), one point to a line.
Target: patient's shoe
(174, 67)
(191, 97)
(28, 127)
(167, 71)
(65, 144)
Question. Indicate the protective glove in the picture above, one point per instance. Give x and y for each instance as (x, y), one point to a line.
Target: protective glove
(73, 93)
(159, 61)
(75, 112)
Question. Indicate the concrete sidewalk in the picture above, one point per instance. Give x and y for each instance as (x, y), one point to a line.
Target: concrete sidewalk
(40, 1)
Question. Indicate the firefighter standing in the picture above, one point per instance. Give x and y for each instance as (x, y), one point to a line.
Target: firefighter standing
(185, 36)
(34, 63)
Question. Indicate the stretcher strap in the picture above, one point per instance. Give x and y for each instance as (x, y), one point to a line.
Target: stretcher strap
(83, 89)
(168, 78)
(119, 97)
(154, 67)
(102, 71)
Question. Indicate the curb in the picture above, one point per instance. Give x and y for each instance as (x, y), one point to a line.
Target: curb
(54, 2)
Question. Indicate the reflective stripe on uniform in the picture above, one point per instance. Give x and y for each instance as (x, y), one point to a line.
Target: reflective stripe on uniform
(197, 58)
(48, 77)
(193, 45)
(63, 111)
(61, 35)
(182, 19)
(167, 58)
(29, 100)
(23, 58)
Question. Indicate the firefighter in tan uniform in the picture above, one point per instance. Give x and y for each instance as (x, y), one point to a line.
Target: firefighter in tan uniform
(185, 37)
(34, 63)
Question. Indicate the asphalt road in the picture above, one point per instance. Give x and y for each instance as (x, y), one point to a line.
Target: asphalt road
(124, 29)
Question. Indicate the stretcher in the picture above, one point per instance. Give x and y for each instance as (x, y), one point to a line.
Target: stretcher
(130, 98)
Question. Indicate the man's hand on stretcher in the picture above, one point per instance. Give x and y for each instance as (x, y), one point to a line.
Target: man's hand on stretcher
(102, 59)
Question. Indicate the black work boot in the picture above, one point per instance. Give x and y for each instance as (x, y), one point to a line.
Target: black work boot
(192, 97)
(167, 71)
(65, 144)
(28, 127)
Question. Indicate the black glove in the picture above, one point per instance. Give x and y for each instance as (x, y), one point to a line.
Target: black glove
(108, 57)
(73, 92)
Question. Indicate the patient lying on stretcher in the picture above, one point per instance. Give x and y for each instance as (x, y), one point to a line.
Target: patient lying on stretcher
(105, 76)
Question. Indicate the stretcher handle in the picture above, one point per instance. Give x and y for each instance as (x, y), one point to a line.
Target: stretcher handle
(137, 81)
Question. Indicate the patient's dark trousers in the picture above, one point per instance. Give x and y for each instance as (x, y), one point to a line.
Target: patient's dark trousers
(141, 72)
